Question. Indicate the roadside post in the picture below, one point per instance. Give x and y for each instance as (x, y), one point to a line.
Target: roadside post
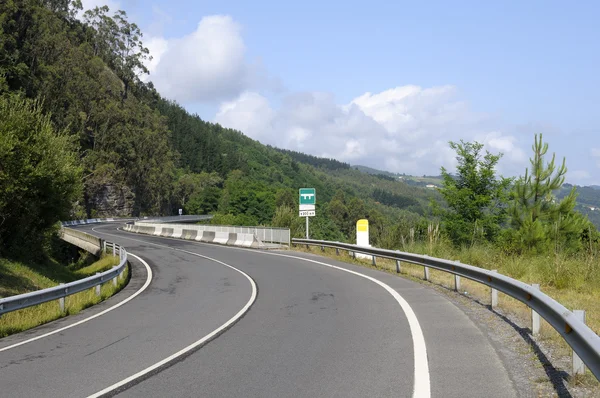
(307, 200)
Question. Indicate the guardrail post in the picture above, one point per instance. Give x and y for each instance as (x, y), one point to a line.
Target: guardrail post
(322, 248)
(61, 301)
(374, 261)
(425, 270)
(114, 280)
(494, 294)
(397, 266)
(457, 280)
(535, 317)
(98, 287)
(337, 251)
(457, 283)
(114, 247)
(104, 246)
(578, 365)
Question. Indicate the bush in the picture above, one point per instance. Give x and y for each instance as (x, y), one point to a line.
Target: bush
(39, 176)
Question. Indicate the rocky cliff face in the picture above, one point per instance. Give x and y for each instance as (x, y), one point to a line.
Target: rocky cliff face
(112, 201)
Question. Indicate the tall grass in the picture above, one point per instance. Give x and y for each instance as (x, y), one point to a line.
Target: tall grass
(19, 277)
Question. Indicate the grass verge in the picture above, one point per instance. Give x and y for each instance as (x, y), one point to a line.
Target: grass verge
(17, 278)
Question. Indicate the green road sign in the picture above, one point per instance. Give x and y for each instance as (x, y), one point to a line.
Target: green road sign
(308, 196)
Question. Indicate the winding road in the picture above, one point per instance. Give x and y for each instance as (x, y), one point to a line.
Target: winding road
(202, 320)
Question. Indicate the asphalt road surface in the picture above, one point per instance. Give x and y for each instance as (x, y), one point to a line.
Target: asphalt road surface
(216, 321)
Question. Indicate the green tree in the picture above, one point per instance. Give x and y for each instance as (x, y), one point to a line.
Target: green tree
(204, 202)
(538, 219)
(338, 212)
(65, 8)
(476, 197)
(285, 197)
(287, 217)
(192, 186)
(40, 178)
(119, 43)
(357, 210)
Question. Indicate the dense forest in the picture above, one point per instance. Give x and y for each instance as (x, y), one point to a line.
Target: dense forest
(83, 136)
(330, 164)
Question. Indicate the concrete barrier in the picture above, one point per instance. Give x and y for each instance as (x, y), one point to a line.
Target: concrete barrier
(207, 236)
(222, 238)
(168, 232)
(82, 240)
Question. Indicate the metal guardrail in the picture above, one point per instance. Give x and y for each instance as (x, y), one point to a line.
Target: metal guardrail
(95, 221)
(576, 333)
(175, 219)
(20, 301)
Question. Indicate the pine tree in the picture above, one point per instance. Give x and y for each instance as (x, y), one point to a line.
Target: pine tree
(539, 221)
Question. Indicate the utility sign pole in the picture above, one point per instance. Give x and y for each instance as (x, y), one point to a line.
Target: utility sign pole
(308, 199)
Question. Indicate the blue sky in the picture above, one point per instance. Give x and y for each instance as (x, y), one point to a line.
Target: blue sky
(298, 74)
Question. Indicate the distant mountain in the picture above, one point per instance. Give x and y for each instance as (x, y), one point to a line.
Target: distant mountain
(315, 161)
(588, 200)
(372, 171)
(425, 181)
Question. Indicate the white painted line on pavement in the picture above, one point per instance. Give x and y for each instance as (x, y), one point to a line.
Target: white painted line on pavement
(422, 388)
(422, 384)
(148, 280)
(194, 345)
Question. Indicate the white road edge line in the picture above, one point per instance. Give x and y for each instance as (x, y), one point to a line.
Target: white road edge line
(422, 384)
(193, 345)
(146, 284)
(422, 388)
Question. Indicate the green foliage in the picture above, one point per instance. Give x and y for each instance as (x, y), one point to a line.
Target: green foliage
(287, 217)
(329, 164)
(118, 42)
(83, 74)
(385, 177)
(539, 221)
(197, 193)
(392, 199)
(285, 197)
(39, 174)
(476, 197)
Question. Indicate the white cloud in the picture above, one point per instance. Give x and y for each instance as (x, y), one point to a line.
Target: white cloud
(157, 47)
(404, 129)
(241, 115)
(514, 159)
(206, 65)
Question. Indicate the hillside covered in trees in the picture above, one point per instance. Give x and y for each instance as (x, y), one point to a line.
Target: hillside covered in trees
(83, 136)
(120, 148)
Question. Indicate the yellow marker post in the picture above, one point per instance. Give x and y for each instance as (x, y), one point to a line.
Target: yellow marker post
(362, 237)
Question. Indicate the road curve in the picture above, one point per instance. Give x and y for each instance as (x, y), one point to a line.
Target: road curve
(312, 331)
